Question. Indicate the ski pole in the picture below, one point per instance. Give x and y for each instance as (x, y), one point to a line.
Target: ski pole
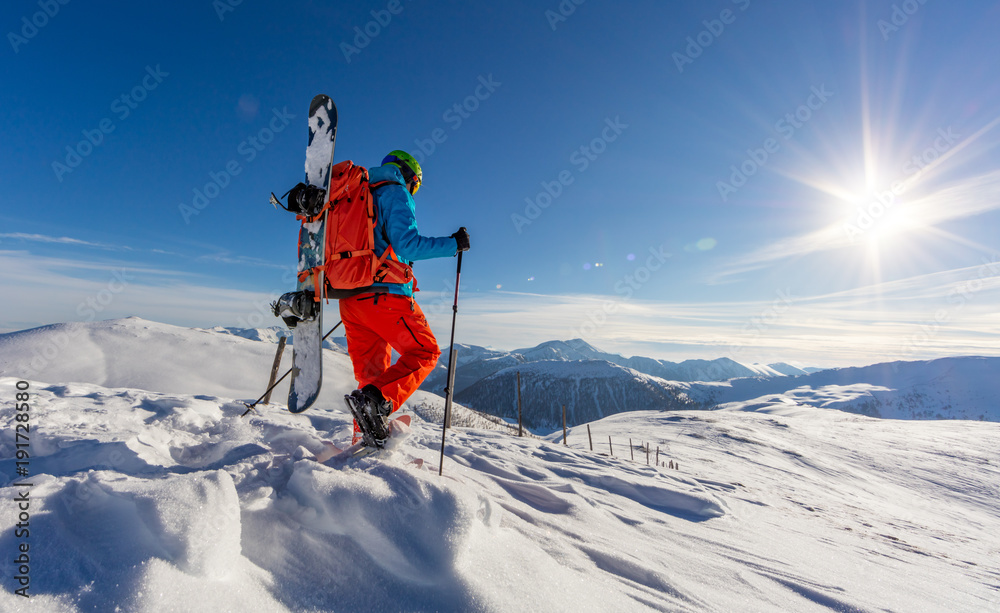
(448, 391)
(250, 406)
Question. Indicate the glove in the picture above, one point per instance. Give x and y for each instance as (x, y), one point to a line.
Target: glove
(462, 238)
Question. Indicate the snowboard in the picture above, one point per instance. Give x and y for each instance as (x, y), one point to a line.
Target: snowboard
(307, 336)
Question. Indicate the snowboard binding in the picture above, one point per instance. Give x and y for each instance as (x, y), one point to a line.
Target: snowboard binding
(303, 199)
(294, 307)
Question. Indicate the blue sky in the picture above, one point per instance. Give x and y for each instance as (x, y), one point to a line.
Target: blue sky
(812, 182)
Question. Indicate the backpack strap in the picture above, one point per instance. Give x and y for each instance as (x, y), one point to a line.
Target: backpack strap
(316, 273)
(381, 184)
(385, 234)
(388, 258)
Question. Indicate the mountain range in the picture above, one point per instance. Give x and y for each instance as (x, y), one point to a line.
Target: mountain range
(592, 384)
(476, 363)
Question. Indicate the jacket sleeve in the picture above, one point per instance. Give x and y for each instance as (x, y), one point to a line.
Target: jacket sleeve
(401, 227)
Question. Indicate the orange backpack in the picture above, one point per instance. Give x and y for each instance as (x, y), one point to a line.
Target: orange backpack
(351, 266)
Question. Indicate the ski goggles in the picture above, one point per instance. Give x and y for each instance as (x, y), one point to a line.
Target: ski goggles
(414, 185)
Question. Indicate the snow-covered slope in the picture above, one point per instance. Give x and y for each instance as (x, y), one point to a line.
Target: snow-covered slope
(270, 335)
(169, 359)
(274, 333)
(571, 350)
(140, 354)
(719, 369)
(947, 388)
(787, 369)
(150, 502)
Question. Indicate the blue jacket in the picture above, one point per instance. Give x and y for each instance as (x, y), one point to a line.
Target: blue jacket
(397, 220)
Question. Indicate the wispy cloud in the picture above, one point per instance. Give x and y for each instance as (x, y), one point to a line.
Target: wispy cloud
(944, 313)
(218, 257)
(61, 240)
(39, 290)
(240, 260)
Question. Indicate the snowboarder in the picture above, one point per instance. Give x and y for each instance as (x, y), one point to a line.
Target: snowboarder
(388, 317)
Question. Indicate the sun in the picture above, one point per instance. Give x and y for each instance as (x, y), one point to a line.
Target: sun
(877, 217)
(891, 226)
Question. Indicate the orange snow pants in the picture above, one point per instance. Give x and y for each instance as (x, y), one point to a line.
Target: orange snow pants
(375, 324)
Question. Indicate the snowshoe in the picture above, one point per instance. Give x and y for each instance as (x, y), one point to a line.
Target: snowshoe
(371, 412)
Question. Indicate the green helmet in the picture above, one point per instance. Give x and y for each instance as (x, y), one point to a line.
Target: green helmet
(408, 166)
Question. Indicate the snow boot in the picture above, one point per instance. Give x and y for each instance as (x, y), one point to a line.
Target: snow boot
(371, 412)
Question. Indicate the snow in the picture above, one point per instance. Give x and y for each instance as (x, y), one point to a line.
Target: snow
(168, 500)
(176, 360)
(946, 388)
(788, 370)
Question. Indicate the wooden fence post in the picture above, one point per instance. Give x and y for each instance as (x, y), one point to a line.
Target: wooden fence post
(657, 455)
(589, 438)
(610, 446)
(274, 368)
(520, 427)
(647, 454)
(564, 424)
(631, 449)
